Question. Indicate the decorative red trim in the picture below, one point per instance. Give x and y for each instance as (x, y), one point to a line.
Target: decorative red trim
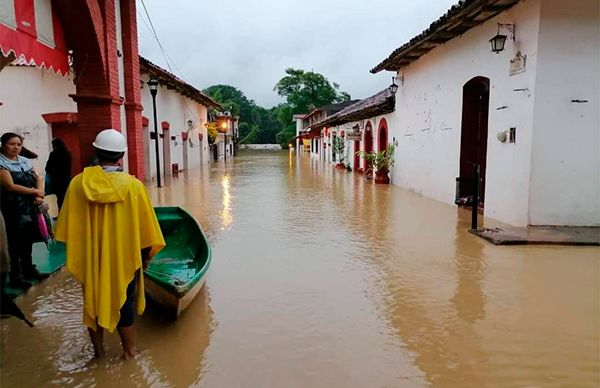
(60, 118)
(97, 98)
(133, 106)
(145, 121)
(165, 125)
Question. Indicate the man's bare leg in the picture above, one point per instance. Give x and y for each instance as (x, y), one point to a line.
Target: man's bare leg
(127, 334)
(97, 337)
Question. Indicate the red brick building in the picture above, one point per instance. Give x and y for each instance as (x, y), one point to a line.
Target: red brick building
(101, 37)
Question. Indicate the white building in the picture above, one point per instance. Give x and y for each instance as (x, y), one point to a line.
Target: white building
(528, 115)
(27, 93)
(362, 126)
(182, 120)
(35, 103)
(311, 135)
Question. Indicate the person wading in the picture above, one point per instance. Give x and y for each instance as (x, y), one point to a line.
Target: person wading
(111, 232)
(21, 195)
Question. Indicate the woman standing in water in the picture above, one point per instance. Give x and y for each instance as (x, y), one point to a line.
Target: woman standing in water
(58, 169)
(22, 193)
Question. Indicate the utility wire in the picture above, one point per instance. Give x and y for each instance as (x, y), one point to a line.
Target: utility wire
(165, 55)
(156, 36)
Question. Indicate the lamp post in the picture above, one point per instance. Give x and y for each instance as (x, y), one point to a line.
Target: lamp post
(153, 86)
(224, 126)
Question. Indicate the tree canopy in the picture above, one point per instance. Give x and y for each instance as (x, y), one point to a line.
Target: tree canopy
(256, 124)
(302, 91)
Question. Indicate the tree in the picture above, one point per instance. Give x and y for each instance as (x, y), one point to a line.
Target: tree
(302, 90)
(256, 124)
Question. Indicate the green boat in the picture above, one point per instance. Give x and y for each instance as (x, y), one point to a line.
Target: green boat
(177, 273)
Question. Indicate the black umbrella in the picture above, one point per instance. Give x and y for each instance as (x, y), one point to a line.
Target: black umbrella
(9, 307)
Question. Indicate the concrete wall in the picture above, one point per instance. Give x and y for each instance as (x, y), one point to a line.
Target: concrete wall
(176, 110)
(565, 164)
(427, 120)
(26, 93)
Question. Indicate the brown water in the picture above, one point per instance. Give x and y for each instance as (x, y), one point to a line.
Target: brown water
(321, 279)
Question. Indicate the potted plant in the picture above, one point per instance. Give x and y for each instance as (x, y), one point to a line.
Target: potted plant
(338, 150)
(381, 162)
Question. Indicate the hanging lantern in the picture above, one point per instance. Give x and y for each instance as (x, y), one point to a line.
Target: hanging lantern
(498, 42)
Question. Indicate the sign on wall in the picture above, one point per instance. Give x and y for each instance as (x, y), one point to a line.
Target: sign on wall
(354, 135)
(517, 64)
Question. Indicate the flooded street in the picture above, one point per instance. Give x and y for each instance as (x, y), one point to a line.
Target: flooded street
(321, 279)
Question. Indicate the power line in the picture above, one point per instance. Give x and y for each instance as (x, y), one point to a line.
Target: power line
(165, 54)
(156, 36)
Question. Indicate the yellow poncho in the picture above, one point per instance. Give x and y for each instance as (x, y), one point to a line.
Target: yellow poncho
(105, 221)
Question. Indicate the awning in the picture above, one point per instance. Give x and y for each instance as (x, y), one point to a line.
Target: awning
(31, 31)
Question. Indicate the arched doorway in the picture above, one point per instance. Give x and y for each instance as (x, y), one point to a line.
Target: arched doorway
(368, 143)
(383, 135)
(474, 133)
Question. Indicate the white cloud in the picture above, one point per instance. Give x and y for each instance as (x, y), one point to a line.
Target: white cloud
(248, 44)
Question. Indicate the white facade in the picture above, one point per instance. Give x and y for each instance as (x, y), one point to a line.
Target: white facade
(26, 93)
(550, 176)
(350, 149)
(175, 109)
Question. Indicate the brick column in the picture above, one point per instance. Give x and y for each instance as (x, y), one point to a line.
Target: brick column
(96, 112)
(166, 134)
(146, 149)
(133, 106)
(91, 32)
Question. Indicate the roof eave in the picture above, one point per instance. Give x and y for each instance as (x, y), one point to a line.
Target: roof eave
(458, 20)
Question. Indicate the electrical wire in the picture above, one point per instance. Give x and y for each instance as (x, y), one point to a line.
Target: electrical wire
(165, 55)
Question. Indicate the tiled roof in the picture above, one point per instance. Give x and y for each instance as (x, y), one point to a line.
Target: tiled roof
(174, 82)
(331, 108)
(378, 104)
(463, 16)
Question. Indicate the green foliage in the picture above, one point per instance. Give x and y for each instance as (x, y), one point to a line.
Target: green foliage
(302, 90)
(212, 135)
(338, 148)
(256, 124)
(381, 160)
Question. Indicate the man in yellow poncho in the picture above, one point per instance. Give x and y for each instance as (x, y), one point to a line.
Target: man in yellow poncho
(111, 233)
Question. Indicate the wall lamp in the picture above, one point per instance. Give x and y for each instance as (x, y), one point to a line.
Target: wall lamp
(499, 40)
(393, 87)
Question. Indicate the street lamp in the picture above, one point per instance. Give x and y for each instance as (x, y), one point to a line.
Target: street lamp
(224, 126)
(153, 86)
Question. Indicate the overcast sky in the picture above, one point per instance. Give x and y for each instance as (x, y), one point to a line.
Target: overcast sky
(249, 43)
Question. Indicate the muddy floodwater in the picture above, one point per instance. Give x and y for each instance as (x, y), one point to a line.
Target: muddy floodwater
(321, 279)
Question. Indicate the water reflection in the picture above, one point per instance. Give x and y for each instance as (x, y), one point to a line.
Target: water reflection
(468, 298)
(57, 351)
(226, 217)
(323, 279)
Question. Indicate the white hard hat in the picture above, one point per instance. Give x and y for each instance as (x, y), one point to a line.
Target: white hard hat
(110, 140)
